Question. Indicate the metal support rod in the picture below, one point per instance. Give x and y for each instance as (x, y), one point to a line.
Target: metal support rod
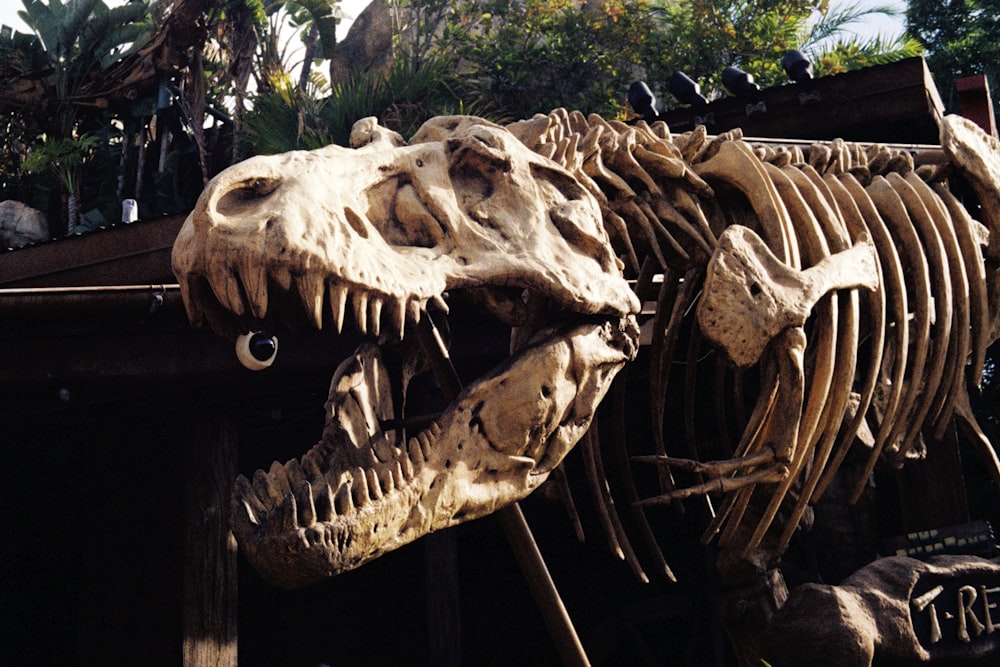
(104, 297)
(515, 526)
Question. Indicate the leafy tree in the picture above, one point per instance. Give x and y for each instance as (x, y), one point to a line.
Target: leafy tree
(80, 38)
(705, 36)
(76, 40)
(64, 158)
(962, 38)
(528, 56)
(318, 21)
(535, 55)
(402, 98)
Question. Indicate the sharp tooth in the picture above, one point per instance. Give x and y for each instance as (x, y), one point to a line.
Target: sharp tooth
(360, 304)
(382, 448)
(359, 488)
(343, 501)
(254, 279)
(192, 303)
(244, 514)
(407, 466)
(287, 514)
(279, 479)
(311, 288)
(293, 470)
(311, 467)
(398, 320)
(413, 310)
(324, 502)
(227, 290)
(375, 315)
(426, 443)
(374, 485)
(283, 277)
(387, 477)
(416, 454)
(265, 489)
(440, 303)
(338, 304)
(307, 508)
(249, 503)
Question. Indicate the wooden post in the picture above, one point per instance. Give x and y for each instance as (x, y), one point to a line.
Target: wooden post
(210, 577)
(975, 103)
(444, 609)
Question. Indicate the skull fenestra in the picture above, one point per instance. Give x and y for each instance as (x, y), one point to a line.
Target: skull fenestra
(378, 234)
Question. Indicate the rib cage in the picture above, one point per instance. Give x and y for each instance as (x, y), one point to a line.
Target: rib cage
(879, 366)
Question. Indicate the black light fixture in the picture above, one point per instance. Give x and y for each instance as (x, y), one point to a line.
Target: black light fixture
(686, 91)
(642, 101)
(797, 67)
(738, 82)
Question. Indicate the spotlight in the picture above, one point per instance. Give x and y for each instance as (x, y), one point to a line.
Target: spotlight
(738, 82)
(686, 91)
(642, 101)
(797, 67)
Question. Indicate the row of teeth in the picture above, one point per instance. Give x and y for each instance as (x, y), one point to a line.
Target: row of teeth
(374, 313)
(298, 495)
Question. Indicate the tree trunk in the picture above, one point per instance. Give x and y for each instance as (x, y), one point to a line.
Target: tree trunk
(311, 42)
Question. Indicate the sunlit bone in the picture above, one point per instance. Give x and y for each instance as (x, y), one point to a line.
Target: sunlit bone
(750, 296)
(290, 235)
(381, 232)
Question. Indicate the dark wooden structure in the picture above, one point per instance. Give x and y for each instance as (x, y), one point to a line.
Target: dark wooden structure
(893, 103)
(123, 429)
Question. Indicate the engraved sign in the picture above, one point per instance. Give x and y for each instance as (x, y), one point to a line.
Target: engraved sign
(956, 615)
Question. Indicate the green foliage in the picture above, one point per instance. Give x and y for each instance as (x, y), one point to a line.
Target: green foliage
(529, 56)
(705, 36)
(536, 55)
(323, 14)
(962, 38)
(845, 56)
(82, 35)
(402, 98)
(285, 119)
(22, 53)
(63, 157)
(73, 42)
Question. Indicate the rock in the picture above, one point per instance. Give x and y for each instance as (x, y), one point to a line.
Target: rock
(21, 225)
(897, 610)
(368, 45)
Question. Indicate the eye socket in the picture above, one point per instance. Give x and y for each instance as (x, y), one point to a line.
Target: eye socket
(256, 351)
(481, 150)
(245, 193)
(260, 186)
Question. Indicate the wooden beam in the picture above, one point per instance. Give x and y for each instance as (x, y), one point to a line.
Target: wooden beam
(210, 576)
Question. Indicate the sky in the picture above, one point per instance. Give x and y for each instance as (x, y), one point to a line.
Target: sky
(879, 25)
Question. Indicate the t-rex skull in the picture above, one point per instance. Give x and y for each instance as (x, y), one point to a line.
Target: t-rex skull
(390, 228)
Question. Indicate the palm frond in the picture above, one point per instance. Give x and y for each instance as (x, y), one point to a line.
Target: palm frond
(837, 21)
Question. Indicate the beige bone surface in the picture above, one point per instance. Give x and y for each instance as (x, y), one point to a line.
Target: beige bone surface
(750, 296)
(757, 248)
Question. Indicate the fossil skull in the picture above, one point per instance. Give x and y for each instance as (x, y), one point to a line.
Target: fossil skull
(385, 229)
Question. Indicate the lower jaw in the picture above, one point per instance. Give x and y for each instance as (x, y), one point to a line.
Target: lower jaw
(465, 466)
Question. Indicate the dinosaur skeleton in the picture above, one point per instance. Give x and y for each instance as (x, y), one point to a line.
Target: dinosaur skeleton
(850, 278)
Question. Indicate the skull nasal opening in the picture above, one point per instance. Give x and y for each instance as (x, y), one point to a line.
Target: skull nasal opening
(356, 222)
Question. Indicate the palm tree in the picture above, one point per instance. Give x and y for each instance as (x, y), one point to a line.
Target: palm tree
(79, 39)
